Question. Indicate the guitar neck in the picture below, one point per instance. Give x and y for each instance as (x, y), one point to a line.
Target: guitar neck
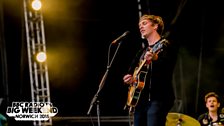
(140, 67)
(155, 49)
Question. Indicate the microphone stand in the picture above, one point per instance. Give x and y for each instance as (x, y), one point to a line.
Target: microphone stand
(102, 83)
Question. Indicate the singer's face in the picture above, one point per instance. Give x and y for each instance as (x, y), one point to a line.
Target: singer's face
(212, 104)
(146, 27)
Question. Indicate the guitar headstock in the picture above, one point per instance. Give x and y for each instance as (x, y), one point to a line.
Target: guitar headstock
(159, 45)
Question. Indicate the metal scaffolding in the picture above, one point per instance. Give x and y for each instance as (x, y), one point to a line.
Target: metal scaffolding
(35, 37)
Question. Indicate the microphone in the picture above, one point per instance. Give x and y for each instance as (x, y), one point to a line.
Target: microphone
(120, 37)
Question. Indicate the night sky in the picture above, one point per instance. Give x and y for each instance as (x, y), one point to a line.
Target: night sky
(78, 34)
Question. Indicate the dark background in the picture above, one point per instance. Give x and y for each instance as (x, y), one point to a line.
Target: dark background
(78, 34)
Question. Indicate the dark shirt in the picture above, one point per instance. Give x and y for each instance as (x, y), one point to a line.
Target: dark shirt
(205, 120)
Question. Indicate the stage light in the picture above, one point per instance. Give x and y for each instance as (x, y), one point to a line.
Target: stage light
(36, 5)
(41, 57)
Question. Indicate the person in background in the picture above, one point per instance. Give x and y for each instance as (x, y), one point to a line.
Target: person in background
(157, 96)
(213, 117)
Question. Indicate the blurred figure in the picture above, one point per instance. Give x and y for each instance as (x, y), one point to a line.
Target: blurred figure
(3, 120)
(213, 117)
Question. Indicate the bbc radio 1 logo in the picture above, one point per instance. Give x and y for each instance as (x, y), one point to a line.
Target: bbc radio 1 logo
(25, 111)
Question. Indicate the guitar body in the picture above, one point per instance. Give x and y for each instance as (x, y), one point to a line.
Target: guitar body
(136, 88)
